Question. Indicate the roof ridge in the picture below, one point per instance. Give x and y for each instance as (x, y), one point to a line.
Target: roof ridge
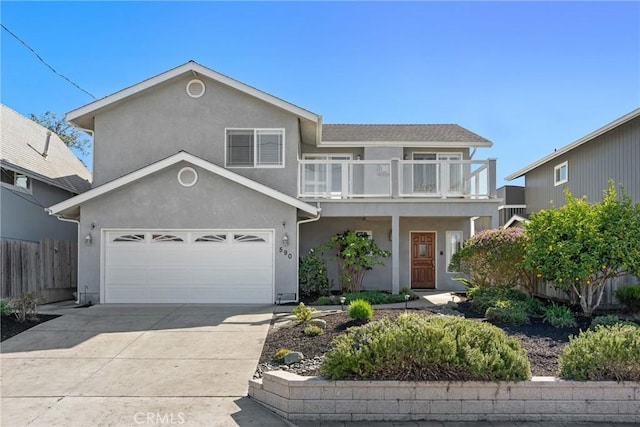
(390, 124)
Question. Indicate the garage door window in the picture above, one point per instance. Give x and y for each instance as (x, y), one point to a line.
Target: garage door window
(166, 238)
(212, 238)
(245, 238)
(129, 238)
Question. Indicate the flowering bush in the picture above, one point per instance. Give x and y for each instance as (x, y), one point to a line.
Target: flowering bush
(494, 257)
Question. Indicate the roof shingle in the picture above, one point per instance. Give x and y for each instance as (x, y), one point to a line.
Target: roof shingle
(22, 142)
(395, 132)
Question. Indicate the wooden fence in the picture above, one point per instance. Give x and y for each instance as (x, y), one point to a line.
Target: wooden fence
(48, 267)
(545, 289)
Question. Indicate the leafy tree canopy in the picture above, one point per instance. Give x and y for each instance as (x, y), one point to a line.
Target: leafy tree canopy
(71, 136)
(580, 245)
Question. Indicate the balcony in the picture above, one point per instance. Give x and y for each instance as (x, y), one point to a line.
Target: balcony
(350, 179)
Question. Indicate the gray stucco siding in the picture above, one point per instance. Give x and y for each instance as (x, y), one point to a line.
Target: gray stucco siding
(161, 121)
(614, 155)
(23, 216)
(160, 202)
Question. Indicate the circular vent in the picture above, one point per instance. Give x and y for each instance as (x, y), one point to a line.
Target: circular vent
(195, 88)
(187, 177)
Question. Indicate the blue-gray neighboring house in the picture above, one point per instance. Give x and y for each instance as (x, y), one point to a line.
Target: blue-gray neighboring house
(584, 167)
(206, 189)
(37, 170)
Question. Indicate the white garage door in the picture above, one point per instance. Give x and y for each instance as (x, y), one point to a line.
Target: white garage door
(204, 266)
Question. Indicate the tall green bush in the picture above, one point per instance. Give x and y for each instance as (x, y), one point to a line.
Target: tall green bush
(312, 274)
(418, 347)
(581, 246)
(494, 257)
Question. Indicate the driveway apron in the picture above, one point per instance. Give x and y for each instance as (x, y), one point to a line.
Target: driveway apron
(160, 364)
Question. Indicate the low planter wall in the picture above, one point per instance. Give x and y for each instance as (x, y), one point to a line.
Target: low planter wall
(543, 399)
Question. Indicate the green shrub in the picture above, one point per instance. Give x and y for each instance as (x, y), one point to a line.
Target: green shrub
(559, 316)
(303, 313)
(26, 306)
(313, 330)
(606, 353)
(312, 274)
(609, 320)
(629, 296)
(418, 347)
(325, 301)
(360, 310)
(280, 354)
(5, 308)
(508, 311)
(484, 297)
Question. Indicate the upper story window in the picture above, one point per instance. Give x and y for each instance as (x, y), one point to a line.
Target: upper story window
(561, 173)
(255, 148)
(16, 179)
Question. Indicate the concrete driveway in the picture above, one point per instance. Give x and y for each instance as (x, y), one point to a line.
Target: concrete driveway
(137, 365)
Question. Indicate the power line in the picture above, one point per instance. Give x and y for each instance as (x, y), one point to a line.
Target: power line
(43, 61)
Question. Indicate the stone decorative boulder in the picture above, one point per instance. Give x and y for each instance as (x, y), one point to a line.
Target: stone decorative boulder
(293, 357)
(320, 323)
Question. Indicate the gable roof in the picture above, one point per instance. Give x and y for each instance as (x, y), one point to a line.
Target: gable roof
(450, 135)
(181, 156)
(606, 128)
(83, 116)
(22, 144)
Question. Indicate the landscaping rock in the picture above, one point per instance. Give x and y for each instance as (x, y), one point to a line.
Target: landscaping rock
(322, 324)
(293, 357)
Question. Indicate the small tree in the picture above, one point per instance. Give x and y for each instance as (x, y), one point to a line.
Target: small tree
(580, 247)
(312, 274)
(356, 253)
(494, 257)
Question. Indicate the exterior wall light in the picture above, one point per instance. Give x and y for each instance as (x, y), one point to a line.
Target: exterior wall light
(88, 239)
(285, 240)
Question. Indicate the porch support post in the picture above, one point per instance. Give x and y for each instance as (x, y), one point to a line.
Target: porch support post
(395, 254)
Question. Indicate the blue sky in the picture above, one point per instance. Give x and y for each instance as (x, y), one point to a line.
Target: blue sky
(529, 76)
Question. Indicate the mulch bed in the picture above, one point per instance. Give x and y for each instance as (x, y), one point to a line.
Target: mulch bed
(11, 327)
(543, 343)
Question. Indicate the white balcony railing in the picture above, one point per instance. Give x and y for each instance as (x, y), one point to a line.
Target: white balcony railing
(340, 179)
(445, 178)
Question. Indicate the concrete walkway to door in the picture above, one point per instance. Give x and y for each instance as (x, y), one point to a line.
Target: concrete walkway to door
(137, 365)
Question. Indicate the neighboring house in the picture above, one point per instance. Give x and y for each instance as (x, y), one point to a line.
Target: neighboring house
(37, 170)
(208, 190)
(585, 167)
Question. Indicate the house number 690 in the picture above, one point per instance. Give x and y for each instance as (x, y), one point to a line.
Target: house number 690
(286, 252)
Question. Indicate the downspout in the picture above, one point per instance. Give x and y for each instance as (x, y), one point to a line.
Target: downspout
(303, 221)
(77, 222)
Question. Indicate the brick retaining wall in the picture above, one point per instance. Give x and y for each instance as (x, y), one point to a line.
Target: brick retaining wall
(543, 399)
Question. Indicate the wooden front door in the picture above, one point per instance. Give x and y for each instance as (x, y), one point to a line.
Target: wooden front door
(423, 266)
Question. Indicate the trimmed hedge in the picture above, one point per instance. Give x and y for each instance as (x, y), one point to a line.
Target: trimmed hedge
(415, 347)
(604, 354)
(629, 296)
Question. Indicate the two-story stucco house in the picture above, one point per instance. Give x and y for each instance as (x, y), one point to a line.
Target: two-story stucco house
(208, 190)
(585, 167)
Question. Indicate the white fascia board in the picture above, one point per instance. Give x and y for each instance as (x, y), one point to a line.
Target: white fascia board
(622, 120)
(417, 144)
(514, 219)
(169, 161)
(182, 69)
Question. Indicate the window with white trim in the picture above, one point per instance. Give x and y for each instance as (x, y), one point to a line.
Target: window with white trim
(255, 148)
(15, 179)
(561, 173)
(453, 244)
